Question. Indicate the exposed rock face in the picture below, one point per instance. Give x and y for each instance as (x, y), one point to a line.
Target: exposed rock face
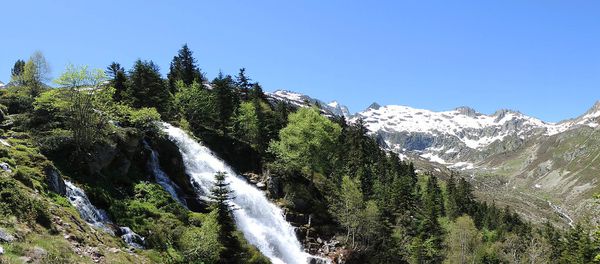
(301, 100)
(55, 180)
(116, 158)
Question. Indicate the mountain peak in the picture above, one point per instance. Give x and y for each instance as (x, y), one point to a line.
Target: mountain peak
(468, 111)
(595, 107)
(333, 103)
(500, 113)
(374, 106)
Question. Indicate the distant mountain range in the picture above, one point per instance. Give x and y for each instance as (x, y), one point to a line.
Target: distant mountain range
(515, 159)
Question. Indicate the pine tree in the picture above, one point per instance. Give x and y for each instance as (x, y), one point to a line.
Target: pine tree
(434, 200)
(221, 197)
(17, 72)
(451, 204)
(146, 87)
(226, 100)
(257, 92)
(464, 197)
(184, 68)
(118, 80)
(430, 230)
(243, 84)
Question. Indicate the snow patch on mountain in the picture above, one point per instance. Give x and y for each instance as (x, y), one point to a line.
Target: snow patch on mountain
(463, 123)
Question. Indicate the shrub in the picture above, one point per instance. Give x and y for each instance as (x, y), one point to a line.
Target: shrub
(15, 201)
(201, 244)
(144, 118)
(17, 100)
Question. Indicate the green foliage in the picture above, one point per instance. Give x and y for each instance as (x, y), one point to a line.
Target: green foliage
(196, 104)
(307, 142)
(84, 122)
(17, 100)
(146, 88)
(144, 118)
(118, 80)
(15, 201)
(202, 244)
(226, 100)
(35, 73)
(246, 123)
(243, 84)
(462, 240)
(16, 73)
(183, 68)
(50, 110)
(221, 196)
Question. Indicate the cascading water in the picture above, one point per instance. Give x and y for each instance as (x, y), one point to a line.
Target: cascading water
(161, 177)
(131, 238)
(92, 215)
(261, 221)
(98, 217)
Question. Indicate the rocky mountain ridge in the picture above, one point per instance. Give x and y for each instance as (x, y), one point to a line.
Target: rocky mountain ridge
(513, 159)
(460, 137)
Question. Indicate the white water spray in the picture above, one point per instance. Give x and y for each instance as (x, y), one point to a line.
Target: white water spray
(261, 221)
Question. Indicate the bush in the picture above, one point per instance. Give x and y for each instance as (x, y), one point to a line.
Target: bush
(17, 100)
(56, 141)
(30, 177)
(14, 201)
(50, 109)
(201, 244)
(144, 118)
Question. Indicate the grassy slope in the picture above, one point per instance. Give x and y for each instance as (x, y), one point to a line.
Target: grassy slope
(563, 169)
(65, 238)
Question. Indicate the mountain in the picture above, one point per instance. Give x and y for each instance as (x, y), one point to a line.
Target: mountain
(297, 99)
(544, 170)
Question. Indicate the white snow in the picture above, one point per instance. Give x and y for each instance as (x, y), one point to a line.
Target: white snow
(398, 118)
(434, 158)
(462, 166)
(334, 104)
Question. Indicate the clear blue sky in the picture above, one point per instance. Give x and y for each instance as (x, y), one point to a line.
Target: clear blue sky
(539, 57)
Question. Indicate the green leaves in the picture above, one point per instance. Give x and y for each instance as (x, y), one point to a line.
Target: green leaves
(308, 141)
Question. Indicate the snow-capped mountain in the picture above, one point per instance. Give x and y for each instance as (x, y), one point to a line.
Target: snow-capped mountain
(458, 138)
(462, 136)
(301, 100)
(2, 85)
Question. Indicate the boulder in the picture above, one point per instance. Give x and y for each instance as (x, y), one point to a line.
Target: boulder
(5, 236)
(5, 167)
(55, 180)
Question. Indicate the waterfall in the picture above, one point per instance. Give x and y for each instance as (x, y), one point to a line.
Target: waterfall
(161, 177)
(131, 238)
(98, 217)
(92, 215)
(261, 222)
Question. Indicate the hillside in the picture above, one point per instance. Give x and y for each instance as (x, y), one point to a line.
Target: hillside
(124, 166)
